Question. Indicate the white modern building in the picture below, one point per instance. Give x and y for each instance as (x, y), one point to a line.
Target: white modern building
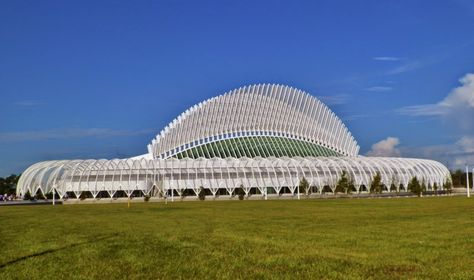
(261, 138)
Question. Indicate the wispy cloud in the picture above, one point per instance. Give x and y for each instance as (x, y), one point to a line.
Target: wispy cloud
(406, 67)
(457, 106)
(351, 116)
(53, 134)
(386, 58)
(338, 99)
(379, 89)
(356, 117)
(422, 110)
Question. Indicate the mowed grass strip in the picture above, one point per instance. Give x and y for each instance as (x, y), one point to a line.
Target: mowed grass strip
(430, 238)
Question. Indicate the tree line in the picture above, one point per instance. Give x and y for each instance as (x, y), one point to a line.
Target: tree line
(8, 184)
(459, 178)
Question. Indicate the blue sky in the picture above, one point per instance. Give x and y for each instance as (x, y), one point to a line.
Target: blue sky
(99, 79)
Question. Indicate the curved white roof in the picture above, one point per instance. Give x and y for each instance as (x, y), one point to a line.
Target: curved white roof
(255, 111)
(141, 175)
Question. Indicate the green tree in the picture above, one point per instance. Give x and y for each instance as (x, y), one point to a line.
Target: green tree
(39, 195)
(376, 184)
(49, 195)
(182, 194)
(345, 184)
(415, 187)
(83, 196)
(202, 193)
(8, 184)
(304, 186)
(423, 187)
(27, 196)
(458, 178)
(240, 192)
(448, 186)
(435, 188)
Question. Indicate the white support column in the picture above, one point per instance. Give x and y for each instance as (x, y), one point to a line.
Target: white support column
(54, 194)
(467, 181)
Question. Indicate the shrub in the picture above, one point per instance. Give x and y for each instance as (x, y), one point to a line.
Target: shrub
(415, 187)
(39, 195)
(448, 186)
(49, 195)
(146, 198)
(182, 195)
(27, 196)
(202, 193)
(82, 196)
(240, 192)
(376, 185)
(345, 184)
(304, 186)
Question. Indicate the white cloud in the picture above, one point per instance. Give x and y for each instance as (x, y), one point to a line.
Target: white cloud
(457, 106)
(461, 96)
(379, 89)
(386, 58)
(385, 148)
(466, 143)
(456, 110)
(455, 155)
(65, 134)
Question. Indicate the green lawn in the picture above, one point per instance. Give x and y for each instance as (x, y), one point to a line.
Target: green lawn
(429, 238)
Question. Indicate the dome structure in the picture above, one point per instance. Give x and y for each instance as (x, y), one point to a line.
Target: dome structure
(260, 120)
(263, 139)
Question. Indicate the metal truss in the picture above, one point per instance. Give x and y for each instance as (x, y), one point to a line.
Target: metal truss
(263, 138)
(255, 112)
(223, 176)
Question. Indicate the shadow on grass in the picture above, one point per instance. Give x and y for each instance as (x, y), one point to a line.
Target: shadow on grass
(45, 252)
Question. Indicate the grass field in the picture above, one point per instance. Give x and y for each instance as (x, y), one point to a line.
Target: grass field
(308, 239)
